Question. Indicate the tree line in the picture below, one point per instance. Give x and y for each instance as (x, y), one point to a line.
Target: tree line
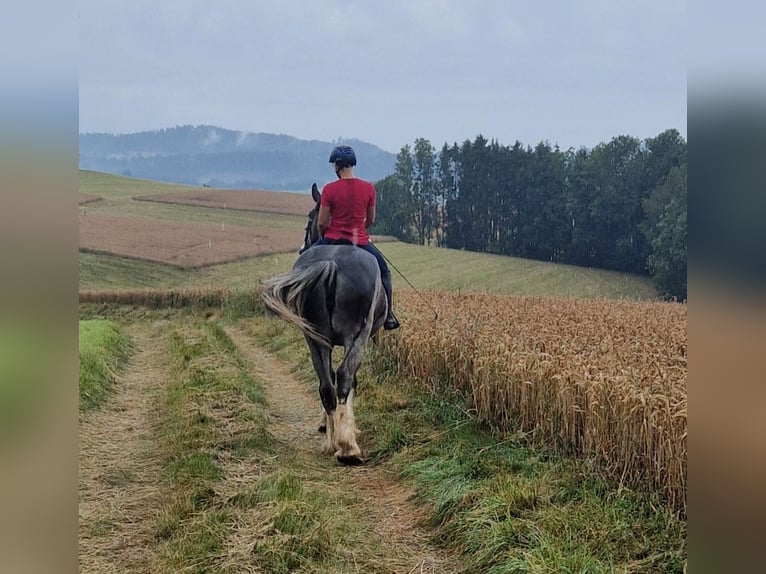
(620, 206)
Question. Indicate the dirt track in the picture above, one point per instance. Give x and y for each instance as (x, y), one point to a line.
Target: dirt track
(119, 469)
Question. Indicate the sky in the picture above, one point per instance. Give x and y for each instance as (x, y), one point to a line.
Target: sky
(573, 73)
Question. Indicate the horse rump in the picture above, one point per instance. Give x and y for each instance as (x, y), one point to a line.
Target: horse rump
(285, 295)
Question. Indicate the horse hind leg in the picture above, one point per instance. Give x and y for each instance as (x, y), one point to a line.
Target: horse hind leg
(348, 451)
(321, 357)
(344, 422)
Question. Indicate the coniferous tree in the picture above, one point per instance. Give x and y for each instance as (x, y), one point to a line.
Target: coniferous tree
(548, 232)
(447, 186)
(581, 190)
(424, 189)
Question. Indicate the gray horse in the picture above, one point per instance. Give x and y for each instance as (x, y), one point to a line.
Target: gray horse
(334, 294)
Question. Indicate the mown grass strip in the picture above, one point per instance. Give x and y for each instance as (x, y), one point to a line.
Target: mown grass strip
(505, 504)
(104, 351)
(203, 424)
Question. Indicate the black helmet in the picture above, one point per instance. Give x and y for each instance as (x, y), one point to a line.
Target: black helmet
(343, 155)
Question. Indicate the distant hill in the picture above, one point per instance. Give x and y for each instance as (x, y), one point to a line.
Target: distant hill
(209, 155)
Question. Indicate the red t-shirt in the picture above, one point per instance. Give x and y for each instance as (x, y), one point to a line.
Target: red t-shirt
(347, 200)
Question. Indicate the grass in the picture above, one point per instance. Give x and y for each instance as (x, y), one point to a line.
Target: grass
(298, 527)
(197, 434)
(504, 504)
(113, 272)
(104, 350)
(456, 270)
(304, 532)
(117, 194)
(115, 187)
(302, 516)
(426, 268)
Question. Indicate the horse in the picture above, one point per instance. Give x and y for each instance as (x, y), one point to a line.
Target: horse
(334, 295)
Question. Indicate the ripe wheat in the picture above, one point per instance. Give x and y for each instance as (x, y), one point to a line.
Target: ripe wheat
(601, 379)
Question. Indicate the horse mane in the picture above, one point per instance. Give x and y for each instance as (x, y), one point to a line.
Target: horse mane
(285, 295)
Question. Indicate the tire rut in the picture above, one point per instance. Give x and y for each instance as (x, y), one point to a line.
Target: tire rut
(119, 472)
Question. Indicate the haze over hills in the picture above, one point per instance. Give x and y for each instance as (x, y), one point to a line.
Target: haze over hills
(218, 157)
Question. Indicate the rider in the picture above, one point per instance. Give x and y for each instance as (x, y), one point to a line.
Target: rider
(346, 210)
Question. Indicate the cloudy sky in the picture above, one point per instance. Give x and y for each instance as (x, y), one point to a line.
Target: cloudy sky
(574, 73)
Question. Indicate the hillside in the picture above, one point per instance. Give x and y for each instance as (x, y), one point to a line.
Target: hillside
(210, 155)
(425, 268)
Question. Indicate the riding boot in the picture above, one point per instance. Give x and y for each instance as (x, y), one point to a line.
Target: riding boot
(391, 322)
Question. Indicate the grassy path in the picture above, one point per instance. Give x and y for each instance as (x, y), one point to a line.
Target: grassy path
(386, 523)
(206, 458)
(119, 466)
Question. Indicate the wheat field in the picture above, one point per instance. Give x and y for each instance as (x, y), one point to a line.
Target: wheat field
(602, 379)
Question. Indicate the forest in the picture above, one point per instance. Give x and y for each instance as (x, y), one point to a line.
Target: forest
(621, 205)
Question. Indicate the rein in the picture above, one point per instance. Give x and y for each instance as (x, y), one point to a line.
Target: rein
(436, 314)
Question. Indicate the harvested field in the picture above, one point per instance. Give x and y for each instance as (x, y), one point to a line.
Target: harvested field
(244, 200)
(180, 244)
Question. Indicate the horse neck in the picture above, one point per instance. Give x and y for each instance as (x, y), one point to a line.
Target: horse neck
(314, 229)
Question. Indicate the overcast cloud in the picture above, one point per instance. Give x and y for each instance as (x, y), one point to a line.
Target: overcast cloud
(573, 73)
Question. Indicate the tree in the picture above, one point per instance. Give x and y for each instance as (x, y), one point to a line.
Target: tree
(447, 175)
(424, 189)
(665, 152)
(615, 207)
(393, 211)
(581, 190)
(474, 197)
(667, 262)
(547, 230)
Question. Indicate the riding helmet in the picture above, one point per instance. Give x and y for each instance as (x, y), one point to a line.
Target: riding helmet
(343, 155)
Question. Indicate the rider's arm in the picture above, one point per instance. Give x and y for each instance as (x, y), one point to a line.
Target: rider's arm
(370, 215)
(323, 219)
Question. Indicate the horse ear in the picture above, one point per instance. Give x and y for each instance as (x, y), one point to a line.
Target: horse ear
(315, 193)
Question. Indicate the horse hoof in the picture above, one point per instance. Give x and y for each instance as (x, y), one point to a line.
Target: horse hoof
(322, 429)
(350, 459)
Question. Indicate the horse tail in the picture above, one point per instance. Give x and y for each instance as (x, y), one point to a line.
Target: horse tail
(285, 295)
